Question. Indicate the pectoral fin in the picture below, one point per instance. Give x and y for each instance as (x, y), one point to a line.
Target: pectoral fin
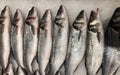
(99, 36)
(80, 32)
(1, 28)
(33, 29)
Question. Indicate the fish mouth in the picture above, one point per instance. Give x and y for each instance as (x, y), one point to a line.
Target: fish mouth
(61, 15)
(45, 19)
(93, 22)
(80, 21)
(115, 21)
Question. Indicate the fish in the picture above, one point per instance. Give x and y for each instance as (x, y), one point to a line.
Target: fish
(111, 61)
(20, 71)
(77, 43)
(17, 37)
(95, 43)
(60, 40)
(9, 70)
(36, 72)
(31, 38)
(5, 24)
(45, 41)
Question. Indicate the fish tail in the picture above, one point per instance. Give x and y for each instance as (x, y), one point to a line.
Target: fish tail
(29, 69)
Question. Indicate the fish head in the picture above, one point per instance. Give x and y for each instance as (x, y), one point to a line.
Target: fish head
(61, 16)
(115, 23)
(94, 22)
(18, 18)
(80, 21)
(32, 18)
(46, 19)
(5, 15)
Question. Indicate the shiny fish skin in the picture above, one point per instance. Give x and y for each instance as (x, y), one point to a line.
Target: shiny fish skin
(5, 36)
(31, 38)
(9, 70)
(60, 42)
(17, 37)
(95, 44)
(45, 41)
(77, 43)
(20, 71)
(111, 61)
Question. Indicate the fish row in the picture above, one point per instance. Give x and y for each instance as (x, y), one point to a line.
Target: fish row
(42, 46)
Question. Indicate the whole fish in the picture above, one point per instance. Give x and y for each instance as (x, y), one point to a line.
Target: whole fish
(111, 61)
(20, 71)
(77, 43)
(95, 44)
(61, 32)
(36, 72)
(9, 70)
(45, 41)
(31, 38)
(17, 37)
(5, 37)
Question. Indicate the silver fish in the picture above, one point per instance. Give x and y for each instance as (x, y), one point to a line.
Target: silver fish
(20, 71)
(45, 41)
(77, 43)
(17, 37)
(36, 72)
(9, 70)
(31, 38)
(111, 62)
(61, 32)
(5, 36)
(95, 44)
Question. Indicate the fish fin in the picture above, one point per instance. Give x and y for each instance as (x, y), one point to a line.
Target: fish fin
(1, 28)
(33, 29)
(99, 36)
(80, 32)
(46, 33)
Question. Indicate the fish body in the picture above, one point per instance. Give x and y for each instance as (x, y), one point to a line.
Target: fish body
(17, 37)
(45, 41)
(60, 42)
(77, 43)
(111, 62)
(95, 44)
(31, 38)
(5, 37)
(9, 70)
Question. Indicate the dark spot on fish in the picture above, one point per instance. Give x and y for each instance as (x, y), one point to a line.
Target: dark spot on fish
(2, 18)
